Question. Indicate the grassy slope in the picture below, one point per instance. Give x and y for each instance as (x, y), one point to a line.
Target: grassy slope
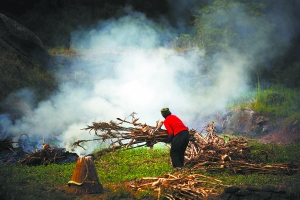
(115, 169)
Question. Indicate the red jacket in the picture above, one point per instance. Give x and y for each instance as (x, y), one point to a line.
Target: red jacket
(174, 125)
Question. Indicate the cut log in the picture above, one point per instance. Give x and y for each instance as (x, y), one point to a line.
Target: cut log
(85, 178)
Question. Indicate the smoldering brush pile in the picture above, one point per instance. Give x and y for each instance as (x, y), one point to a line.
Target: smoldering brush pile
(48, 155)
(6, 144)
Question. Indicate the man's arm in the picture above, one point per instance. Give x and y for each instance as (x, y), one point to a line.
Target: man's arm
(170, 138)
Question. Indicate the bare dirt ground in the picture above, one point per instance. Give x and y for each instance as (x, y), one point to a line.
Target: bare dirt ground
(280, 137)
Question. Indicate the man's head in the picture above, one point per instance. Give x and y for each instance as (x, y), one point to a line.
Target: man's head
(165, 112)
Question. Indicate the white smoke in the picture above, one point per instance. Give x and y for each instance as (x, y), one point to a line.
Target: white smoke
(129, 69)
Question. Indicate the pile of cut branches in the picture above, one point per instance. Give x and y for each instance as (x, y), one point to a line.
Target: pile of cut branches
(179, 186)
(48, 155)
(211, 153)
(213, 148)
(121, 136)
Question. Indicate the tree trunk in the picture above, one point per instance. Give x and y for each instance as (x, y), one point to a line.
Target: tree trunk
(85, 177)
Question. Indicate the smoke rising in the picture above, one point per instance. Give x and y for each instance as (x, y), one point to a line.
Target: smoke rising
(128, 67)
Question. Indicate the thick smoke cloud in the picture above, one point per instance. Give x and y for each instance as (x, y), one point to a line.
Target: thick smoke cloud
(129, 68)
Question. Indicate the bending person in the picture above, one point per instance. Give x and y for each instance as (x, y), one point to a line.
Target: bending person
(178, 136)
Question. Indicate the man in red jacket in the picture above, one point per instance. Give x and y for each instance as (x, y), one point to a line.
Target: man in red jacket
(178, 137)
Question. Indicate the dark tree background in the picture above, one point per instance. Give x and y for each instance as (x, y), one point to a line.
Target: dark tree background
(54, 20)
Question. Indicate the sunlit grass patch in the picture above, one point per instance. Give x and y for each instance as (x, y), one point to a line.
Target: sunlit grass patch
(275, 101)
(125, 165)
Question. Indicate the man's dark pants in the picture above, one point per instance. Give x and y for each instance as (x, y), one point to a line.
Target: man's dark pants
(178, 147)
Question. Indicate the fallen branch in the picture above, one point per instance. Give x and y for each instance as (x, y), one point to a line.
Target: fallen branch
(126, 137)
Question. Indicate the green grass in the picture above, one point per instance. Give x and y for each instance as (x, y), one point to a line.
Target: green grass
(128, 165)
(276, 101)
(116, 168)
(288, 183)
(273, 153)
(23, 182)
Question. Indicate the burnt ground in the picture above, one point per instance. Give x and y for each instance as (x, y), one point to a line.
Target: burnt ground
(280, 138)
(39, 157)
